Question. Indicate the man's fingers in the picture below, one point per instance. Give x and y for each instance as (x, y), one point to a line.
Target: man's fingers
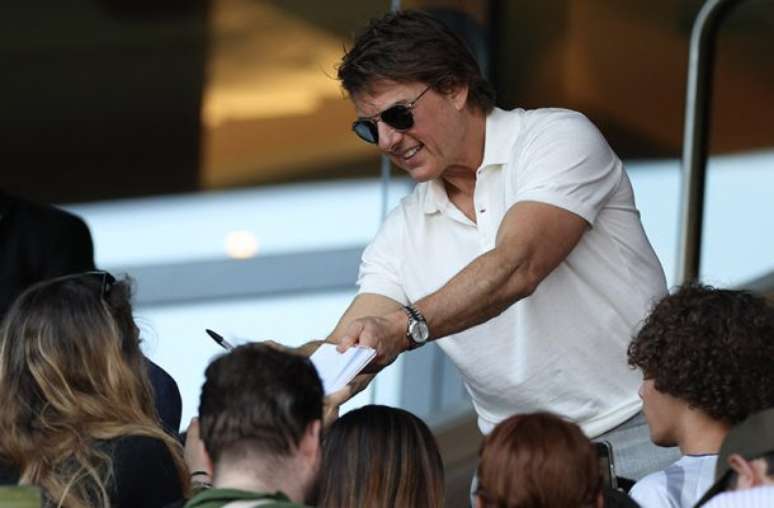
(345, 343)
(351, 337)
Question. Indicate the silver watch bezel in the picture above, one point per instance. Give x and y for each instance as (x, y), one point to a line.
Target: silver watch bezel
(417, 330)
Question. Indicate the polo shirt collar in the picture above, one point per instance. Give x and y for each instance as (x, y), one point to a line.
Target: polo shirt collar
(498, 148)
(434, 198)
(500, 137)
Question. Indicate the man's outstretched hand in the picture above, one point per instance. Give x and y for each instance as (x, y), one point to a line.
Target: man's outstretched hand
(386, 334)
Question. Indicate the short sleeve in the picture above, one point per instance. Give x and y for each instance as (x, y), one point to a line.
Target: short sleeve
(380, 266)
(565, 161)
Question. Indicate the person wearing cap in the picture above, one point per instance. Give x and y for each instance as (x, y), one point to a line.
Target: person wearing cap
(707, 357)
(744, 475)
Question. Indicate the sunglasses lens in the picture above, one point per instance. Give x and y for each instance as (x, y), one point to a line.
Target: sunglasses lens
(398, 117)
(366, 130)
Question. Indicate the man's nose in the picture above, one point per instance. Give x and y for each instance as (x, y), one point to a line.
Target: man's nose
(388, 137)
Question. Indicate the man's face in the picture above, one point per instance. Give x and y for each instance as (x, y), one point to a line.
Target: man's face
(661, 412)
(433, 143)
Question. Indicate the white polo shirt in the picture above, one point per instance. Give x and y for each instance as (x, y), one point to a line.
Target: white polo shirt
(563, 348)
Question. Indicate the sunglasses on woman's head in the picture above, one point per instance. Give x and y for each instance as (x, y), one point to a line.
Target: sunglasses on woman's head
(399, 117)
(106, 280)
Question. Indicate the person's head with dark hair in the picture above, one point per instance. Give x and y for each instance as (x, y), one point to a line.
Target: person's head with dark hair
(538, 460)
(380, 456)
(704, 351)
(418, 92)
(260, 415)
(72, 376)
(706, 355)
(413, 46)
(40, 242)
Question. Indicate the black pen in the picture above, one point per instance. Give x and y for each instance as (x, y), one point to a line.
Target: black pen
(220, 340)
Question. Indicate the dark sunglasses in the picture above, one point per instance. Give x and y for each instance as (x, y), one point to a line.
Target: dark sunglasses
(399, 117)
(106, 280)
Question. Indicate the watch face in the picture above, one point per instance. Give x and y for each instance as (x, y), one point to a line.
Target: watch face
(419, 331)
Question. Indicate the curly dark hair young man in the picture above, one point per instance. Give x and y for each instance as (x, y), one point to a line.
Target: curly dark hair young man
(707, 356)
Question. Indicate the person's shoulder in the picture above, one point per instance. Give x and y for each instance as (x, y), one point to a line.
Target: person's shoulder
(651, 491)
(147, 462)
(218, 497)
(410, 205)
(754, 497)
(536, 120)
(133, 451)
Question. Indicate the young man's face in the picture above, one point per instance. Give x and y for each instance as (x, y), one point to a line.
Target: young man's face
(433, 143)
(661, 412)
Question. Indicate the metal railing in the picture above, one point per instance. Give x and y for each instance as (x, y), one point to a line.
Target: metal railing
(696, 134)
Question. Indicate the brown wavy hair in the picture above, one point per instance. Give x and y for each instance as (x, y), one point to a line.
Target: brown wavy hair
(413, 46)
(379, 456)
(538, 460)
(72, 376)
(713, 348)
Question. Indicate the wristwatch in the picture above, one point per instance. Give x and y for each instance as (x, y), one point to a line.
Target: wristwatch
(417, 331)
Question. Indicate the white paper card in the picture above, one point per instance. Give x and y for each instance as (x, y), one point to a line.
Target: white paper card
(337, 369)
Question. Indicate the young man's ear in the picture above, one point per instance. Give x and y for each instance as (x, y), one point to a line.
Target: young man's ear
(749, 473)
(310, 443)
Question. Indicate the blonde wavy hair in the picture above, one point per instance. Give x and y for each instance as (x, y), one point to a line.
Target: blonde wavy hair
(71, 376)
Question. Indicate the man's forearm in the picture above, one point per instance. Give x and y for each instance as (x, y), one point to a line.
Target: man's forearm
(482, 290)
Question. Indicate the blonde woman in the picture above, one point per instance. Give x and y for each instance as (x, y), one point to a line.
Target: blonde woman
(77, 417)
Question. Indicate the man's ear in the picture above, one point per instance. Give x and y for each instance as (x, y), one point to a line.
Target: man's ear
(310, 443)
(459, 97)
(749, 474)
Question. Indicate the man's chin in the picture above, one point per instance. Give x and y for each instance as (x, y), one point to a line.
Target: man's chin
(418, 173)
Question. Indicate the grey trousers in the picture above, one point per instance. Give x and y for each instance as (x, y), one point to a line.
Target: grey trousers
(634, 454)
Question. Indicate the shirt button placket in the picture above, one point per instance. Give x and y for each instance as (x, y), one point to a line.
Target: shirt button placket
(482, 217)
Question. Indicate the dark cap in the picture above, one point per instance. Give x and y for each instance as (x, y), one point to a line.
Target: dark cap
(752, 438)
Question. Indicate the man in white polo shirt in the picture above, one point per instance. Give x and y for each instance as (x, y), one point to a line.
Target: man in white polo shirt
(520, 247)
